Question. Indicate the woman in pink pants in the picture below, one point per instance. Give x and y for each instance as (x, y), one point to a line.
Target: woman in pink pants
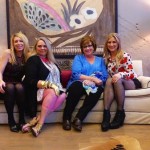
(42, 82)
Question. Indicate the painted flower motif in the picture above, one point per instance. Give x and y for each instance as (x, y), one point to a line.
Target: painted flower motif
(77, 21)
(89, 13)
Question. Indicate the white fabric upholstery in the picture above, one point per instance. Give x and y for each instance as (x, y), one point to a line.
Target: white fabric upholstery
(137, 105)
(137, 66)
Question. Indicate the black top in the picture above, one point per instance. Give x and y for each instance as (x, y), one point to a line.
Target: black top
(14, 72)
(35, 70)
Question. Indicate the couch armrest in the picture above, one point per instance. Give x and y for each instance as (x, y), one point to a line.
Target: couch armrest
(145, 81)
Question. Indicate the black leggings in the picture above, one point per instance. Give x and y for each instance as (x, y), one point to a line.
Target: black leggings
(75, 92)
(14, 93)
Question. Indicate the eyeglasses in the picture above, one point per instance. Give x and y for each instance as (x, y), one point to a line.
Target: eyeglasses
(87, 46)
(40, 46)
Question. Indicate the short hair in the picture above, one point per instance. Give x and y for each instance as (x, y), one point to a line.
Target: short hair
(87, 39)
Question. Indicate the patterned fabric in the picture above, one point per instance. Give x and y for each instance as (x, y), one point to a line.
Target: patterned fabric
(125, 67)
(93, 88)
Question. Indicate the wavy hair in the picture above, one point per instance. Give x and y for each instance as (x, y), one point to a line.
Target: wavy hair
(12, 48)
(119, 55)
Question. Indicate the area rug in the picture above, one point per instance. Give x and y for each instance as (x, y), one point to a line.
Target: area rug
(117, 143)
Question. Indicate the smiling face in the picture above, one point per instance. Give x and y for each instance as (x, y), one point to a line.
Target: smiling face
(112, 45)
(88, 49)
(41, 48)
(18, 44)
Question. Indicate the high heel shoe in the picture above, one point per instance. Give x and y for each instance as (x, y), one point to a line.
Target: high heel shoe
(37, 129)
(27, 127)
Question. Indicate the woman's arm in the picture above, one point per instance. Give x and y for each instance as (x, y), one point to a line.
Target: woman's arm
(4, 60)
(126, 71)
(31, 71)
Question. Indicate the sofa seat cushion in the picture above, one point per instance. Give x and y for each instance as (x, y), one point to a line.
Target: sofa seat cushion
(137, 92)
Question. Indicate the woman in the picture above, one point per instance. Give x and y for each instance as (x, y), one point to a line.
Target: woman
(11, 73)
(88, 77)
(121, 77)
(42, 78)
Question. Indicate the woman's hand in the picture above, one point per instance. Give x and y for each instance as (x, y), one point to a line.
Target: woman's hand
(40, 84)
(88, 83)
(116, 77)
(97, 81)
(2, 85)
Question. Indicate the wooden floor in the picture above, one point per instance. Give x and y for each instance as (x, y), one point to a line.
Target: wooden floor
(53, 137)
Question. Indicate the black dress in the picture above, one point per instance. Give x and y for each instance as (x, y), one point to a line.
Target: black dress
(14, 90)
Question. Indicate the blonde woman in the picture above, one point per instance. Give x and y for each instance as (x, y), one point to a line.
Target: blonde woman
(42, 79)
(121, 77)
(11, 73)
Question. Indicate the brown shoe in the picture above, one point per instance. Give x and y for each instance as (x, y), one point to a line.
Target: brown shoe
(77, 124)
(66, 125)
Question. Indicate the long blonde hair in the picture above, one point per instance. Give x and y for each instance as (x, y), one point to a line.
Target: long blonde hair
(12, 48)
(119, 55)
(50, 54)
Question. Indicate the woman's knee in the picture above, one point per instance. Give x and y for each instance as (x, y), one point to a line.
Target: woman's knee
(10, 88)
(49, 93)
(109, 82)
(119, 82)
(19, 87)
(75, 88)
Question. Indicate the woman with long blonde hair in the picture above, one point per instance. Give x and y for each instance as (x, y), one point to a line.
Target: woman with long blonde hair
(11, 73)
(121, 77)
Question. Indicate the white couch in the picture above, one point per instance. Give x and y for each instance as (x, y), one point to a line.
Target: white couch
(137, 105)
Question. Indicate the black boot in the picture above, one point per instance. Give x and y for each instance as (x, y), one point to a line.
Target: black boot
(105, 125)
(118, 119)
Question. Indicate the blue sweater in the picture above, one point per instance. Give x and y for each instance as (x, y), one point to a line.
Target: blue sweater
(81, 66)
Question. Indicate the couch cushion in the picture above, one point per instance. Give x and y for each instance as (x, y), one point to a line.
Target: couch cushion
(138, 92)
(65, 76)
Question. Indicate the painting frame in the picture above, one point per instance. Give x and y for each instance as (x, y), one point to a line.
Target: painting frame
(14, 20)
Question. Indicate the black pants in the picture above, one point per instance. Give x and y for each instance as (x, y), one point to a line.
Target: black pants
(75, 92)
(31, 101)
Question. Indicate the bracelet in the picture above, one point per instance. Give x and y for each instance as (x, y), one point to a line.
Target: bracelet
(44, 84)
(49, 84)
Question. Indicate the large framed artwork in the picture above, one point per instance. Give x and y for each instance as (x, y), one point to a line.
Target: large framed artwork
(64, 22)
